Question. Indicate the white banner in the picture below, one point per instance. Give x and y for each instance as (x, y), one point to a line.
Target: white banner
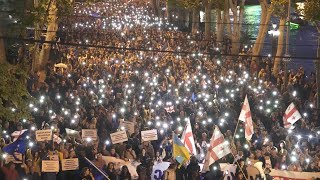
(119, 163)
(44, 135)
(291, 175)
(149, 135)
(276, 174)
(72, 133)
(70, 164)
(118, 137)
(158, 169)
(129, 126)
(89, 133)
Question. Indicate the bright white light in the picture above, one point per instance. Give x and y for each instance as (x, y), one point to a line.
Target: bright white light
(308, 160)
(246, 146)
(31, 144)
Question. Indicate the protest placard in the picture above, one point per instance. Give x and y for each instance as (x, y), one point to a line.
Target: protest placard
(72, 133)
(44, 135)
(70, 164)
(129, 126)
(89, 133)
(50, 166)
(17, 159)
(118, 137)
(149, 135)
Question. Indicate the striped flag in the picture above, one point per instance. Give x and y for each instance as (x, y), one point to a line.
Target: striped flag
(245, 116)
(180, 153)
(291, 116)
(188, 140)
(218, 148)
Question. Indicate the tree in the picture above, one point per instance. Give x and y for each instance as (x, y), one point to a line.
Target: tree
(235, 30)
(156, 7)
(207, 10)
(53, 9)
(220, 11)
(14, 96)
(280, 8)
(312, 13)
(266, 11)
(193, 5)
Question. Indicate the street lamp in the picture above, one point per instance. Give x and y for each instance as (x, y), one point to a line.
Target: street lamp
(274, 33)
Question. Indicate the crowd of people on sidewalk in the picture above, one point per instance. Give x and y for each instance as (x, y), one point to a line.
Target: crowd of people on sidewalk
(132, 66)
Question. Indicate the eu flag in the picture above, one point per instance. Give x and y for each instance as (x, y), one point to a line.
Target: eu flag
(18, 145)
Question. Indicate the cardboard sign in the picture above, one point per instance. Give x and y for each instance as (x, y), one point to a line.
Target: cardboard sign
(50, 166)
(149, 135)
(10, 158)
(118, 137)
(44, 135)
(70, 164)
(89, 133)
(129, 126)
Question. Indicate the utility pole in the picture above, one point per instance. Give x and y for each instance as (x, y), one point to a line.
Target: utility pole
(287, 55)
(317, 63)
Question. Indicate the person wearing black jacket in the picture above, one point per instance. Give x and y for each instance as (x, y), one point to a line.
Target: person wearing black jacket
(193, 169)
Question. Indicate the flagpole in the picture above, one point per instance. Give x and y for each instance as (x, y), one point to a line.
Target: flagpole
(235, 130)
(97, 168)
(240, 167)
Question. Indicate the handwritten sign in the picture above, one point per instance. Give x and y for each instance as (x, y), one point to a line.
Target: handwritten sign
(89, 133)
(44, 135)
(129, 126)
(149, 135)
(70, 164)
(118, 137)
(50, 166)
(17, 160)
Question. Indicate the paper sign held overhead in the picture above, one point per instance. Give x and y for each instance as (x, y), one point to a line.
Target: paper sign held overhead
(44, 135)
(10, 158)
(149, 135)
(50, 166)
(70, 164)
(119, 137)
(89, 134)
(129, 126)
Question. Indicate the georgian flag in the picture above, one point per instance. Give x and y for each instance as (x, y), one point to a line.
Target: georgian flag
(291, 116)
(218, 148)
(188, 140)
(245, 116)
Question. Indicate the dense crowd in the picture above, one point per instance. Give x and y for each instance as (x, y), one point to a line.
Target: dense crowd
(105, 84)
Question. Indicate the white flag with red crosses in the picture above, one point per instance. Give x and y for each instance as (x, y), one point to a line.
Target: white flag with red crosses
(188, 140)
(245, 116)
(218, 149)
(291, 116)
